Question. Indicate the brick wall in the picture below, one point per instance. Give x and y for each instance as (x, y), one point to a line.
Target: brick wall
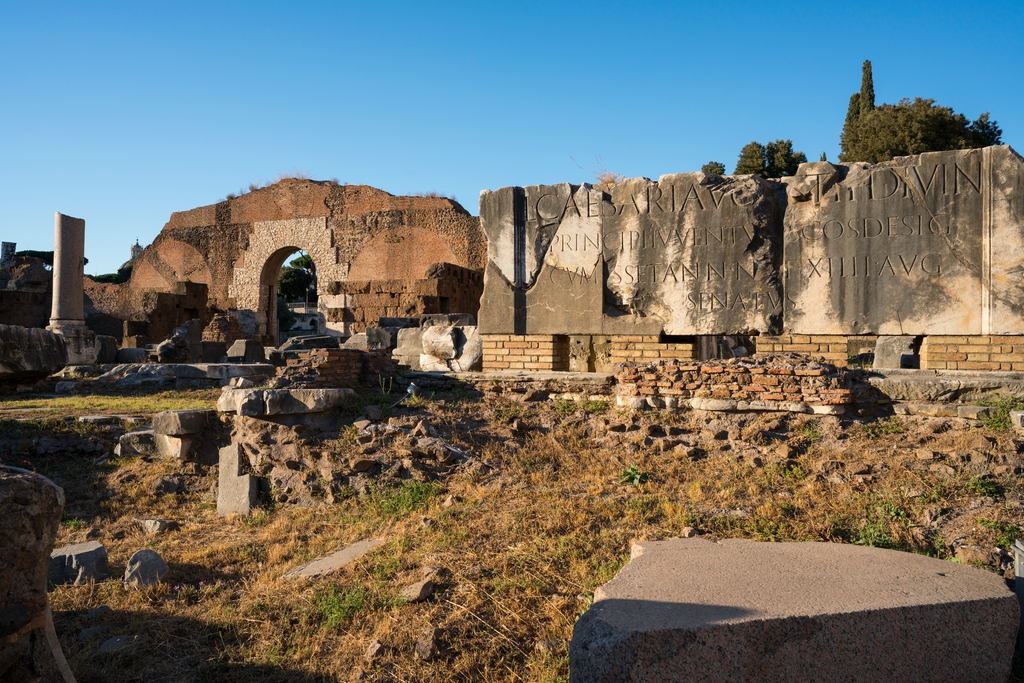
(353, 305)
(835, 348)
(636, 347)
(814, 383)
(525, 352)
(972, 353)
(338, 368)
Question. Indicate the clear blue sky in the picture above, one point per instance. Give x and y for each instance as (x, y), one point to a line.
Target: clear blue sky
(123, 113)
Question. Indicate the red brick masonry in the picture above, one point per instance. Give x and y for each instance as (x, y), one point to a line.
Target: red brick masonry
(741, 379)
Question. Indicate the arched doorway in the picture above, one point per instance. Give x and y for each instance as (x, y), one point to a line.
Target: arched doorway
(270, 294)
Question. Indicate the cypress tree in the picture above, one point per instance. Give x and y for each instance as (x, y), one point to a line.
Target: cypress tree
(867, 88)
(853, 110)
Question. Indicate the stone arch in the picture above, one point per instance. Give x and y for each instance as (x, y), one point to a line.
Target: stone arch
(254, 284)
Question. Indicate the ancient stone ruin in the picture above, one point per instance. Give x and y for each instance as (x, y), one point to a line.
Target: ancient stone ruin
(926, 247)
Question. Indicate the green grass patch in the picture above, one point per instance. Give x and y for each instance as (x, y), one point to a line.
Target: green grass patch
(1006, 533)
(999, 419)
(397, 502)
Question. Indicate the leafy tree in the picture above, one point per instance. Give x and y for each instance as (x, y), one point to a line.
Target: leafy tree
(285, 317)
(293, 283)
(876, 134)
(45, 256)
(122, 275)
(714, 168)
(823, 157)
(774, 160)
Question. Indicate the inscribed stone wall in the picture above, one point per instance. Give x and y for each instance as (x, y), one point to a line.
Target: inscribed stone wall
(925, 245)
(690, 254)
(922, 245)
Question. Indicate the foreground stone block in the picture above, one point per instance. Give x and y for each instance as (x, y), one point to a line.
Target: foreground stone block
(1017, 418)
(236, 492)
(180, 422)
(260, 402)
(78, 564)
(145, 568)
(30, 507)
(138, 442)
(247, 351)
(177, 447)
(738, 610)
(30, 352)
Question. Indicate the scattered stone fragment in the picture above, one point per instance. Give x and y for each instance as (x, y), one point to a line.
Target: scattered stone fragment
(78, 564)
(448, 501)
(361, 424)
(940, 468)
(361, 464)
(65, 387)
(374, 650)
(547, 646)
(168, 484)
(117, 643)
(435, 573)
(156, 526)
(420, 430)
(418, 592)
(325, 565)
(856, 468)
(688, 532)
(138, 442)
(236, 492)
(145, 568)
(373, 412)
(926, 454)
(426, 646)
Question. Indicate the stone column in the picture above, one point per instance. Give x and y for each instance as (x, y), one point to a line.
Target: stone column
(7, 250)
(68, 274)
(67, 315)
(30, 507)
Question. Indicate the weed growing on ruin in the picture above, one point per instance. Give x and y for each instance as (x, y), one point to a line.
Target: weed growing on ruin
(565, 407)
(980, 486)
(879, 428)
(999, 419)
(633, 476)
(507, 412)
(594, 407)
(885, 519)
(1006, 533)
(810, 432)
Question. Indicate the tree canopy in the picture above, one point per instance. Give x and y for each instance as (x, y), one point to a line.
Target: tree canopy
(876, 134)
(773, 160)
(714, 168)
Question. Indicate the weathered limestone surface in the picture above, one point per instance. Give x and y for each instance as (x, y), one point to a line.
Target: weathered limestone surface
(738, 610)
(30, 352)
(260, 402)
(334, 561)
(68, 273)
(928, 244)
(30, 507)
(236, 492)
(689, 254)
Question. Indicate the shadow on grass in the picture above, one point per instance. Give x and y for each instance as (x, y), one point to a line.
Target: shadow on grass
(176, 649)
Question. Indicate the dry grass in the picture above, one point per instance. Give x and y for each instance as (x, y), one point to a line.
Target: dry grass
(526, 545)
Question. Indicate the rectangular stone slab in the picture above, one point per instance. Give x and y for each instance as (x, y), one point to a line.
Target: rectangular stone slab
(927, 244)
(739, 610)
(689, 254)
